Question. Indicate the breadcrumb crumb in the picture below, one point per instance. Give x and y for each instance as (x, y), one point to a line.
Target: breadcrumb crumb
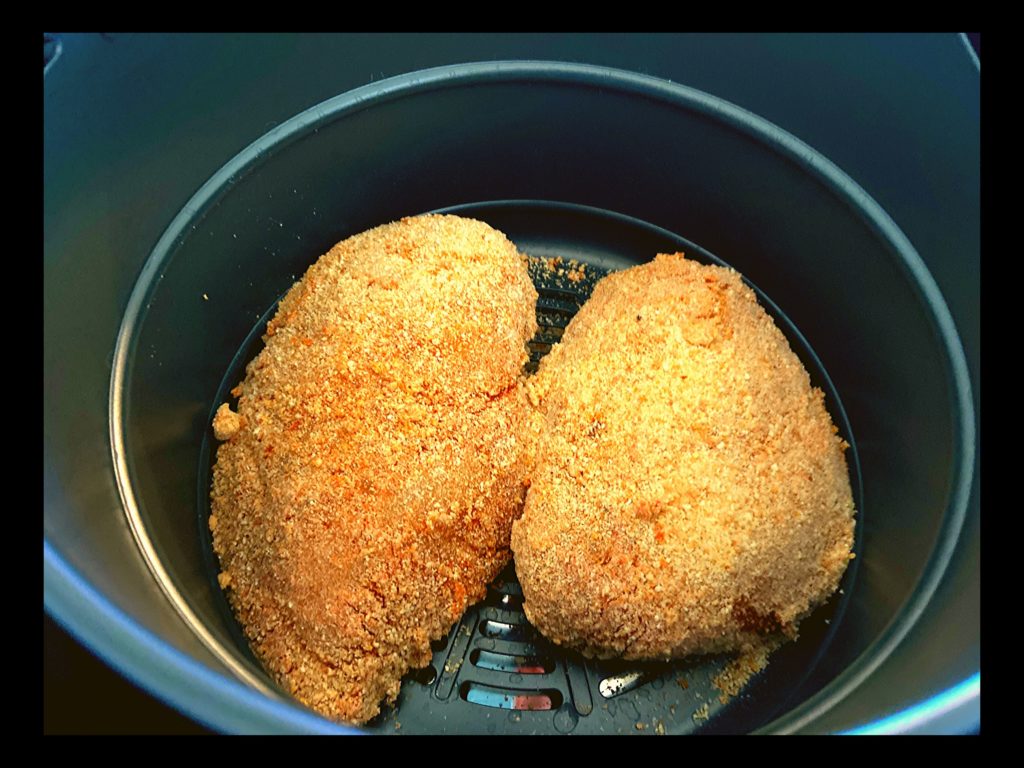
(738, 672)
(226, 423)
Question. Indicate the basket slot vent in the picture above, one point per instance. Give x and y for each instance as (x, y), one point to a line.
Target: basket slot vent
(503, 698)
(519, 665)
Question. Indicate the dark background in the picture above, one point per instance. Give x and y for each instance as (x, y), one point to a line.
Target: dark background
(891, 110)
(82, 695)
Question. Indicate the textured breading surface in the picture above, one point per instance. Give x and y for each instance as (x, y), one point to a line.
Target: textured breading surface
(372, 473)
(691, 494)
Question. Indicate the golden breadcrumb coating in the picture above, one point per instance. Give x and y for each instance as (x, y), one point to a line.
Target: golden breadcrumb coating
(365, 495)
(691, 494)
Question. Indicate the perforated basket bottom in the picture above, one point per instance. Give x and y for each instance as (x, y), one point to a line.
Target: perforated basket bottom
(494, 673)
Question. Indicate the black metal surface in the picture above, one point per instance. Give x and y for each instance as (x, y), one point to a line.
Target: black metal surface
(81, 695)
(495, 673)
(133, 124)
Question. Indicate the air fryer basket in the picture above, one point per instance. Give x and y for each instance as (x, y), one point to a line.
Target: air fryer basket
(496, 672)
(609, 168)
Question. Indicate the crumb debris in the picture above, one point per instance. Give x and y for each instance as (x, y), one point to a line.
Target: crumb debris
(571, 270)
(226, 423)
(738, 672)
(576, 272)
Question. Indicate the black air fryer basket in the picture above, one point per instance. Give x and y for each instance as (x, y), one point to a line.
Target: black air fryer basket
(573, 161)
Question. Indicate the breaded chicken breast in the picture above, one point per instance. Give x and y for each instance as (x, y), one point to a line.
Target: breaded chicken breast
(365, 492)
(691, 494)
